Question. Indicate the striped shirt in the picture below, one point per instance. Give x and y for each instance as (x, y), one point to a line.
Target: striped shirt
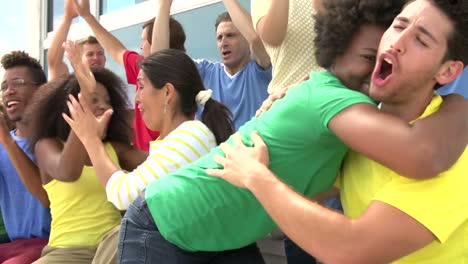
(185, 144)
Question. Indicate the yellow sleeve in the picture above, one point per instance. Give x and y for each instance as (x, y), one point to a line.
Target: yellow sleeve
(259, 9)
(438, 203)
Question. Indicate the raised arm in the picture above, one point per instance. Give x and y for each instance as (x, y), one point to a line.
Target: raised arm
(86, 126)
(110, 43)
(124, 187)
(161, 32)
(65, 161)
(243, 22)
(61, 161)
(422, 150)
(117, 182)
(272, 25)
(382, 235)
(26, 169)
(83, 73)
(57, 67)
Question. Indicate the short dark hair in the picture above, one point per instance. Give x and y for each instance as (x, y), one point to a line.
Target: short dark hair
(89, 40)
(20, 58)
(457, 42)
(223, 17)
(44, 113)
(176, 33)
(177, 68)
(340, 20)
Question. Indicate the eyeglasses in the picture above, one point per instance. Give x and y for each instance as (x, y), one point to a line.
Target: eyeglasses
(15, 84)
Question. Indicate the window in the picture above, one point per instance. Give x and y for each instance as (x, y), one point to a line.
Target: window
(55, 12)
(107, 6)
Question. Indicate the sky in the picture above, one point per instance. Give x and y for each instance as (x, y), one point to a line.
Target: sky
(12, 26)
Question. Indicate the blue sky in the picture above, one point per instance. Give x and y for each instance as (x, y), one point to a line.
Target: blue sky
(12, 26)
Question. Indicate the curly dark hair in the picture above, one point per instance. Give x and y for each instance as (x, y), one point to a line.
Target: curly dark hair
(340, 20)
(457, 42)
(20, 58)
(44, 113)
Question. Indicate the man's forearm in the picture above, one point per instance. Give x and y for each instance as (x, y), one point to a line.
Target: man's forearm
(57, 66)
(241, 20)
(161, 31)
(72, 159)
(321, 232)
(243, 23)
(110, 43)
(272, 27)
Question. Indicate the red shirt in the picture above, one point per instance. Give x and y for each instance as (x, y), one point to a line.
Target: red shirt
(142, 135)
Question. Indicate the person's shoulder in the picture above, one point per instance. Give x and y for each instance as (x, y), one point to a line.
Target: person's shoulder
(128, 54)
(132, 58)
(317, 82)
(206, 62)
(192, 133)
(22, 142)
(255, 66)
(324, 92)
(207, 67)
(328, 83)
(195, 126)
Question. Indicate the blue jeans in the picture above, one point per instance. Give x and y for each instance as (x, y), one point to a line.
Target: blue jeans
(141, 242)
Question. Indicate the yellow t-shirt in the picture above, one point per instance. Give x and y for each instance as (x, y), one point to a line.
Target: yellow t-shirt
(440, 203)
(81, 214)
(294, 58)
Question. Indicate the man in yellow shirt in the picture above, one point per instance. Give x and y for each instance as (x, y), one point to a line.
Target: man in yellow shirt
(390, 218)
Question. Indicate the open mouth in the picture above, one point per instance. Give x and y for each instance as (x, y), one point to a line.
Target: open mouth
(226, 53)
(385, 69)
(11, 105)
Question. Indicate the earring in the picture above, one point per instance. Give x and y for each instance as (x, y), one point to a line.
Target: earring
(165, 108)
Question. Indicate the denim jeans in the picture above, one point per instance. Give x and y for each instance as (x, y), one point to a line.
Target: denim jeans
(141, 242)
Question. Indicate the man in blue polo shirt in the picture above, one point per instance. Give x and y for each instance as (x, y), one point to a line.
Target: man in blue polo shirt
(240, 80)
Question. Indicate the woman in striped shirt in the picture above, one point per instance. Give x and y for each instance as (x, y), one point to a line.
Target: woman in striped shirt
(170, 91)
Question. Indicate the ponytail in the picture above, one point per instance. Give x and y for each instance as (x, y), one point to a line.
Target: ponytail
(218, 119)
(176, 67)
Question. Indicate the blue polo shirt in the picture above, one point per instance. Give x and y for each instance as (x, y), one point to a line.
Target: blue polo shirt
(23, 214)
(243, 92)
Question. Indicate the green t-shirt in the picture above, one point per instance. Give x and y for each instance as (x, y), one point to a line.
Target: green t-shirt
(198, 212)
